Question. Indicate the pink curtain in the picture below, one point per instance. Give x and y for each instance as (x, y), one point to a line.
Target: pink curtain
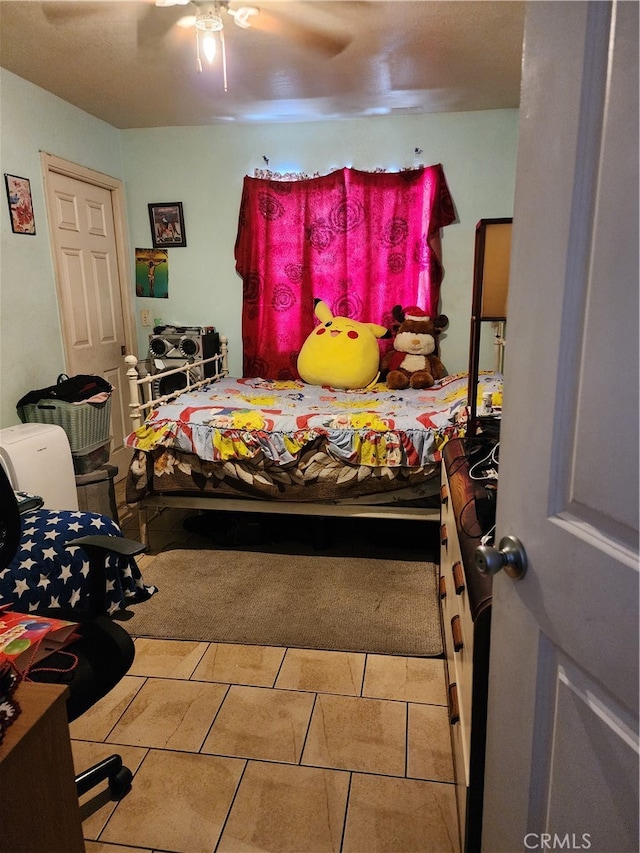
(361, 241)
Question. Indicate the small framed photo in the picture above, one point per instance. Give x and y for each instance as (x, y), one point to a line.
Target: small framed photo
(167, 225)
(20, 204)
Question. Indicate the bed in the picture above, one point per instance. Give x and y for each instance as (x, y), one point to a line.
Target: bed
(263, 445)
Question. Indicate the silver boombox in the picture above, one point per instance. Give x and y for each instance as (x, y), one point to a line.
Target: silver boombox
(178, 346)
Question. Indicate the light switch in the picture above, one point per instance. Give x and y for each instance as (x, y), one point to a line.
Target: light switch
(145, 318)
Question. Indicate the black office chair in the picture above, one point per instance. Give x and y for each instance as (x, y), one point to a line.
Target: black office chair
(104, 650)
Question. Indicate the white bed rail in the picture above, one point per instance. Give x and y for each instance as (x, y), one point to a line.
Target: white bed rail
(140, 392)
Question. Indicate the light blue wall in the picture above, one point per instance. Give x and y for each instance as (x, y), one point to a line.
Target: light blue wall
(31, 121)
(203, 167)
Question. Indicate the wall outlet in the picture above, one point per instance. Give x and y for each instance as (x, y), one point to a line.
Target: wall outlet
(145, 318)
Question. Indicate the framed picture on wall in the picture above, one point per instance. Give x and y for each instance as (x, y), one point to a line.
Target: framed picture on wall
(167, 225)
(152, 273)
(20, 204)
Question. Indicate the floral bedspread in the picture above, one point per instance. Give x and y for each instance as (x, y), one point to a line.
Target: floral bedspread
(247, 419)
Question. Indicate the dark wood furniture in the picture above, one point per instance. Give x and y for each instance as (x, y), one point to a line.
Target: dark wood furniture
(489, 300)
(39, 809)
(465, 597)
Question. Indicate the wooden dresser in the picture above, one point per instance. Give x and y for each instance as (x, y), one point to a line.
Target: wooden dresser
(465, 597)
(39, 809)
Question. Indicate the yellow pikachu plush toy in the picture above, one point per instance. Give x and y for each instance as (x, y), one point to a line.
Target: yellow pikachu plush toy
(340, 352)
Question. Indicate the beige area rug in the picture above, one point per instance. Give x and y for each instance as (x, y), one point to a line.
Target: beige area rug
(311, 602)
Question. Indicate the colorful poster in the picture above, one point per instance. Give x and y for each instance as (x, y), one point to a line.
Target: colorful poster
(152, 273)
(20, 204)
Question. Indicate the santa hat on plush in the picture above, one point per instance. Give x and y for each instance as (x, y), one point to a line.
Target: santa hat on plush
(416, 331)
(415, 313)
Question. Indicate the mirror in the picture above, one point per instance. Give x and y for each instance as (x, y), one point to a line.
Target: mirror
(489, 302)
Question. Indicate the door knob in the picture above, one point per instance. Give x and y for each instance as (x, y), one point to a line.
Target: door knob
(510, 556)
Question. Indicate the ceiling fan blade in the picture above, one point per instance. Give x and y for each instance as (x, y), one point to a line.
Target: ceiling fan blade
(62, 11)
(157, 23)
(303, 35)
(186, 22)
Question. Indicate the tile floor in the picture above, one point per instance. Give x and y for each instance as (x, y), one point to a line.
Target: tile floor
(251, 748)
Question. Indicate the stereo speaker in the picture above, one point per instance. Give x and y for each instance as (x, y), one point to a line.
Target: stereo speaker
(174, 346)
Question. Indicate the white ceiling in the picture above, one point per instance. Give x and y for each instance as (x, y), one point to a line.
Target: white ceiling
(131, 65)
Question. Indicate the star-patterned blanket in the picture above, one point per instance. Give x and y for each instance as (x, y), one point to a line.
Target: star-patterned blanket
(44, 573)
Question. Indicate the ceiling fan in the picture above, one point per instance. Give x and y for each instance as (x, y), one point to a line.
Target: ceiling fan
(311, 27)
(208, 24)
(208, 19)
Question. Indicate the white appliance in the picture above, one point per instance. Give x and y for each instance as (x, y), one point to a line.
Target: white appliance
(37, 459)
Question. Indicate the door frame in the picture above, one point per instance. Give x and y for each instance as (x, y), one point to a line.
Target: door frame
(57, 165)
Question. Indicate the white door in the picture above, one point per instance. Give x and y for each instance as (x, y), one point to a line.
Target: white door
(562, 746)
(91, 292)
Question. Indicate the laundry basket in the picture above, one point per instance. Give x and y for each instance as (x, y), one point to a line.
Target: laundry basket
(86, 423)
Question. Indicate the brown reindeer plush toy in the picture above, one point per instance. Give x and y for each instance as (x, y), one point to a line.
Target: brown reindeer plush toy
(413, 362)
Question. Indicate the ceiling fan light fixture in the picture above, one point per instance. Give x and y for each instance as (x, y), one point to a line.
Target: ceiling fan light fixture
(209, 22)
(209, 25)
(209, 46)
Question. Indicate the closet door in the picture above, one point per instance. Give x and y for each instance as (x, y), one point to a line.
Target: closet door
(86, 223)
